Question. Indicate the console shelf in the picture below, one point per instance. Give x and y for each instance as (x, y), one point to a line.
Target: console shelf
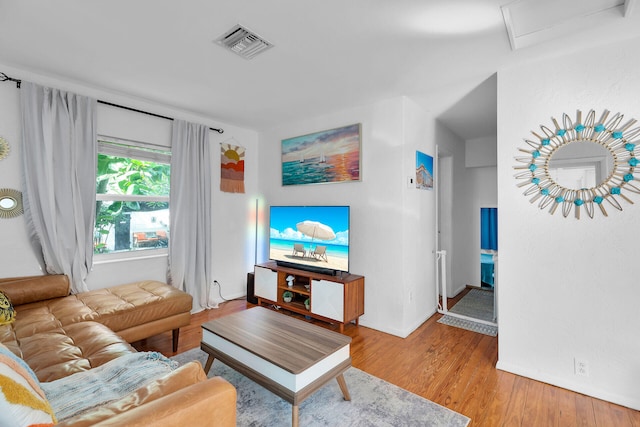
(334, 299)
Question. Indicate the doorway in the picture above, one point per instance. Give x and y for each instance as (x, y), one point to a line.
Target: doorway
(470, 183)
(476, 305)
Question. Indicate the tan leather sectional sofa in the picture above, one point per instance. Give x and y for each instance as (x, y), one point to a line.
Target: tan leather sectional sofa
(58, 334)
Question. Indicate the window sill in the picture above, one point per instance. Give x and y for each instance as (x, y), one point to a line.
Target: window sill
(130, 256)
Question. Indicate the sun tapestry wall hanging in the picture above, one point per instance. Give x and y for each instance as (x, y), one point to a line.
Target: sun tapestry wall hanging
(231, 168)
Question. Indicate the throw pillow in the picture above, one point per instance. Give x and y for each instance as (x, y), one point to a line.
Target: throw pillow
(7, 314)
(22, 401)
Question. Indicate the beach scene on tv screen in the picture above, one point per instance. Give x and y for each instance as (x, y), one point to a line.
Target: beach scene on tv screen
(316, 236)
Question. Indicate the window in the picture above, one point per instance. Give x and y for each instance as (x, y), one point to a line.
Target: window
(132, 196)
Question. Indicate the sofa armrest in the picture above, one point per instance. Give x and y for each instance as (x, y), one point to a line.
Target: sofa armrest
(183, 391)
(206, 404)
(24, 290)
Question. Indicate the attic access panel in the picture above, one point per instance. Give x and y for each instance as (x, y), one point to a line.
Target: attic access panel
(530, 22)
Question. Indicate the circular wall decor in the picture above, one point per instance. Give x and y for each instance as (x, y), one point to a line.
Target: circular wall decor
(581, 165)
(4, 148)
(10, 203)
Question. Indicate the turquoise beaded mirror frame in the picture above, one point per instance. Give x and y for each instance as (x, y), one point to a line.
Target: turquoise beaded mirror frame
(611, 173)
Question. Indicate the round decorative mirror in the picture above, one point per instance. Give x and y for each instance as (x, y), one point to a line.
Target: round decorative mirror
(10, 203)
(581, 165)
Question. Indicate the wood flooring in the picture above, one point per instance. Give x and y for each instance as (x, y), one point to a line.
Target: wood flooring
(450, 366)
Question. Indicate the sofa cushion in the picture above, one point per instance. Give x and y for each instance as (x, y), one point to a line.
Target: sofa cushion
(118, 307)
(64, 350)
(7, 313)
(80, 392)
(24, 290)
(22, 401)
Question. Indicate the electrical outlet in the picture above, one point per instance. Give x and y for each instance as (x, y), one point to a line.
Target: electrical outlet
(581, 367)
(410, 183)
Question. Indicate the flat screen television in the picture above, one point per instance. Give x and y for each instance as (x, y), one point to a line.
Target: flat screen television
(314, 238)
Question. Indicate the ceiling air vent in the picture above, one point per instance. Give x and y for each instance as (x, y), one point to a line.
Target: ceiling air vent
(243, 42)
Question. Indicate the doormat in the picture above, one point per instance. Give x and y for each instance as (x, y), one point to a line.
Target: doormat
(469, 325)
(477, 303)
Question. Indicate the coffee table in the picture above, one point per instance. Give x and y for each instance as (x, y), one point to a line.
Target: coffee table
(289, 357)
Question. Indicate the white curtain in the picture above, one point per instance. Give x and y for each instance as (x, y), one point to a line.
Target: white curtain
(59, 163)
(190, 257)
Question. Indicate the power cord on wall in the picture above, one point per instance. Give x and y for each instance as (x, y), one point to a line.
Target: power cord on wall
(216, 283)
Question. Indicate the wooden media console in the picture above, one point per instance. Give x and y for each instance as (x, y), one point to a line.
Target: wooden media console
(334, 299)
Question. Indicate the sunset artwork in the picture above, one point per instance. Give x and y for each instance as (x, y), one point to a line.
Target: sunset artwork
(323, 157)
(231, 168)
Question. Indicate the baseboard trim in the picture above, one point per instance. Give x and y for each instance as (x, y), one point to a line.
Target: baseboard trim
(631, 402)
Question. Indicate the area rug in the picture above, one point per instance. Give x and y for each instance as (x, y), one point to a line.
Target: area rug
(374, 402)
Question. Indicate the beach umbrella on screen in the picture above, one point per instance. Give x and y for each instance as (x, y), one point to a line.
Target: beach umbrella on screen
(316, 230)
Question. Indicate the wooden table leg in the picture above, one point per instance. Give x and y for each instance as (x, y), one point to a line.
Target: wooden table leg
(343, 386)
(294, 416)
(207, 366)
(175, 338)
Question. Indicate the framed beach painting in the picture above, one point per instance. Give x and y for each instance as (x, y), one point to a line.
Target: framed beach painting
(328, 156)
(424, 171)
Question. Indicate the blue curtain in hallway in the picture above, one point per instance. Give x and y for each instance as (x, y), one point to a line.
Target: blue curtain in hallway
(489, 228)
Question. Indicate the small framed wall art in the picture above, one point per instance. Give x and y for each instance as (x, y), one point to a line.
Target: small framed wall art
(424, 171)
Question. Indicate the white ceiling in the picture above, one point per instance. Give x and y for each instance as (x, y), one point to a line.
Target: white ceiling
(329, 55)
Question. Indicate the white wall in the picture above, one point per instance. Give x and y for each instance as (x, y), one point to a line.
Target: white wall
(418, 242)
(233, 222)
(480, 152)
(392, 233)
(568, 288)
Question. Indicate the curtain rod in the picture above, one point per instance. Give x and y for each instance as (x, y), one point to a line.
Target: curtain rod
(4, 78)
(147, 113)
